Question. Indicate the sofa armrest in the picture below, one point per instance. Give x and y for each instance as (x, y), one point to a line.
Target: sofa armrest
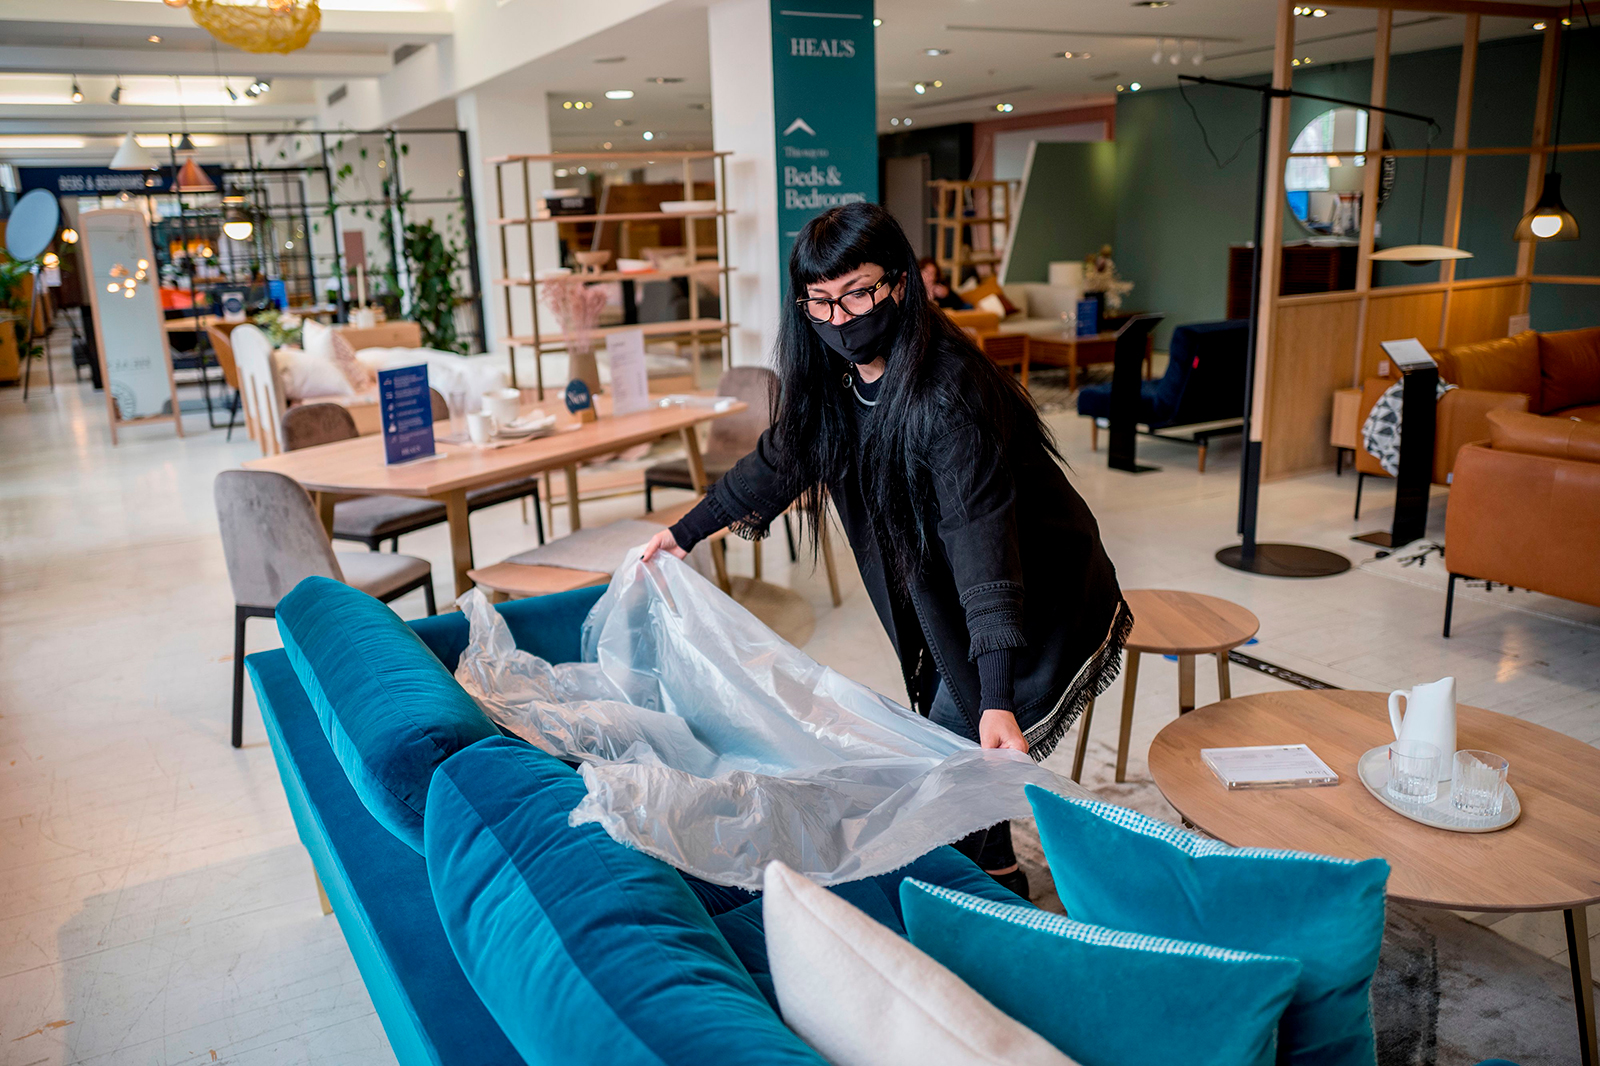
(550, 627)
(1532, 521)
(1463, 417)
(974, 321)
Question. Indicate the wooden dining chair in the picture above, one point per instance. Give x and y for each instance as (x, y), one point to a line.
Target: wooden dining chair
(272, 540)
(259, 387)
(219, 336)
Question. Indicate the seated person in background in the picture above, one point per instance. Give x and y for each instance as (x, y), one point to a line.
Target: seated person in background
(938, 291)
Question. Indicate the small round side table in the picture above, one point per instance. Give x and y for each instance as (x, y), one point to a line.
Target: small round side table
(1168, 622)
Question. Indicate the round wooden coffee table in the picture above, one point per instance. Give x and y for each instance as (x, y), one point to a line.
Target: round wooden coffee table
(1548, 860)
(1170, 622)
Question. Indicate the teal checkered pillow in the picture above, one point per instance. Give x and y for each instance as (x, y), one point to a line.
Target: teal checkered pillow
(1116, 867)
(1104, 997)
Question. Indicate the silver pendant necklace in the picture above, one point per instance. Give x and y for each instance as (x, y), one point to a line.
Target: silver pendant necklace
(850, 379)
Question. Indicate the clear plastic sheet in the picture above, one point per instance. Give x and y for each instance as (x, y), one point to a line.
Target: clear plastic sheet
(708, 741)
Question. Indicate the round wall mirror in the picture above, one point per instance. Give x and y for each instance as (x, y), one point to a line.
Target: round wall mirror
(32, 225)
(1324, 188)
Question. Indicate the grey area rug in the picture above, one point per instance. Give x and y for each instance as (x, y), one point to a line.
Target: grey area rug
(1447, 992)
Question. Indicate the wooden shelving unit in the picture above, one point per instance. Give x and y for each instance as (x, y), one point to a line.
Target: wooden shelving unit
(696, 331)
(957, 234)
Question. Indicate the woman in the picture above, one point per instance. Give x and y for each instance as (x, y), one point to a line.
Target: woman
(938, 291)
(983, 564)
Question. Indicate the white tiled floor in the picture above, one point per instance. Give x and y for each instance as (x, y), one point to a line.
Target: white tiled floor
(155, 905)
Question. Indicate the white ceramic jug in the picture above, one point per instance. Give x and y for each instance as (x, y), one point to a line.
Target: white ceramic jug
(1430, 715)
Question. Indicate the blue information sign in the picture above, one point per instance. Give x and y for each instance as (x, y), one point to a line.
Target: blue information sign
(407, 411)
(824, 97)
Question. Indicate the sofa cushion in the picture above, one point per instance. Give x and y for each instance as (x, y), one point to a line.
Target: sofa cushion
(1569, 364)
(378, 888)
(990, 287)
(1104, 997)
(1507, 364)
(1562, 438)
(391, 711)
(583, 950)
(863, 996)
(1325, 912)
(877, 897)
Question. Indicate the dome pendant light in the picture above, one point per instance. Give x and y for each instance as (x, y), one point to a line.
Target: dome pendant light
(131, 155)
(1549, 219)
(238, 226)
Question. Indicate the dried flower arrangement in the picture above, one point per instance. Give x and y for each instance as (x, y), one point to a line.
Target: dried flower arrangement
(577, 307)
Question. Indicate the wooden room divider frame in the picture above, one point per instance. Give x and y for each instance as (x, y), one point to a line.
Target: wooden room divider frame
(1308, 346)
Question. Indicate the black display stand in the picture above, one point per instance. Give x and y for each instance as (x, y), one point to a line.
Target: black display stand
(1419, 393)
(1126, 375)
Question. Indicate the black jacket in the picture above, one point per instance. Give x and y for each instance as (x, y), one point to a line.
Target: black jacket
(1015, 562)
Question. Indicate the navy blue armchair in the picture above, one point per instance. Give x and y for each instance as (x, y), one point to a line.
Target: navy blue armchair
(1203, 385)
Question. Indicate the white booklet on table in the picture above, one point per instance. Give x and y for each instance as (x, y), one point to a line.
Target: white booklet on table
(1268, 766)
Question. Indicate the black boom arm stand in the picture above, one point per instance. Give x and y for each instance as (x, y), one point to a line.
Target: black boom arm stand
(1273, 560)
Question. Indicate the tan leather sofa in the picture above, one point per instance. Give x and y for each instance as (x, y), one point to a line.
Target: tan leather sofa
(1525, 508)
(1545, 373)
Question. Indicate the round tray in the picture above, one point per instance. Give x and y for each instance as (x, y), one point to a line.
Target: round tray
(1373, 769)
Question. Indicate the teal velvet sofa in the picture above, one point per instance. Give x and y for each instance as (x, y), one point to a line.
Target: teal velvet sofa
(377, 880)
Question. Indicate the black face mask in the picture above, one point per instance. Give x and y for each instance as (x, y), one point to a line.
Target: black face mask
(865, 337)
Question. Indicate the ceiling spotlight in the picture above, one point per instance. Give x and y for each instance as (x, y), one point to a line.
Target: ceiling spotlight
(919, 88)
(566, 105)
(1075, 55)
(936, 51)
(905, 122)
(116, 94)
(649, 136)
(1003, 107)
(664, 81)
(233, 96)
(606, 146)
(1135, 87)
(69, 236)
(1153, 3)
(937, 84)
(154, 38)
(876, 23)
(1159, 53)
(1199, 53)
(1122, 88)
(619, 94)
(894, 122)
(77, 93)
(1176, 55)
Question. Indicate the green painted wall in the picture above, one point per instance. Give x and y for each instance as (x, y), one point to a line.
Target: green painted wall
(1177, 211)
(1069, 208)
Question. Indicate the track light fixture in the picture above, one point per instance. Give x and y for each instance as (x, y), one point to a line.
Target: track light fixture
(116, 94)
(77, 93)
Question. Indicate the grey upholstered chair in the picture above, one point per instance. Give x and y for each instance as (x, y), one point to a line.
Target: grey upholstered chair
(730, 439)
(371, 520)
(273, 540)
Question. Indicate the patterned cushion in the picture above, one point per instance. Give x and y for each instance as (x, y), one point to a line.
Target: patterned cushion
(1106, 998)
(354, 370)
(1326, 912)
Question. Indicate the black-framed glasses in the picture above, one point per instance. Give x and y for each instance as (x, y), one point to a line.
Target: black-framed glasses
(853, 303)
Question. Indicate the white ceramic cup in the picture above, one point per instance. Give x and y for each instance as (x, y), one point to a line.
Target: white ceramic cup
(504, 404)
(480, 427)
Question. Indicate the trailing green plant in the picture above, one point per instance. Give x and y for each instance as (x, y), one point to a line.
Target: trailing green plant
(433, 258)
(279, 327)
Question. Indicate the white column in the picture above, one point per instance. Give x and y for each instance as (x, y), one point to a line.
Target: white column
(508, 123)
(741, 118)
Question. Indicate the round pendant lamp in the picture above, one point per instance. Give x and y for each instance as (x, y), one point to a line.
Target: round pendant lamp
(238, 225)
(1418, 254)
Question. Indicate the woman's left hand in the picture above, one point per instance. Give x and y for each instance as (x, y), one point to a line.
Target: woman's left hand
(999, 729)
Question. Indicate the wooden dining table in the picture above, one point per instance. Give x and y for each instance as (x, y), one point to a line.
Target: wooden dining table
(356, 467)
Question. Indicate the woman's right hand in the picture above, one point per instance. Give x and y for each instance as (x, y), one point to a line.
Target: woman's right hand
(663, 541)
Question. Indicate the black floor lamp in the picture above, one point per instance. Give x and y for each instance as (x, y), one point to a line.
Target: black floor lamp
(1272, 560)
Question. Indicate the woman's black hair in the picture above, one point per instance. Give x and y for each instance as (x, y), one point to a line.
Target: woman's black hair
(935, 379)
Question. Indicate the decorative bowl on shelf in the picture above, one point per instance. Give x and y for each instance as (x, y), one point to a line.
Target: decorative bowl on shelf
(592, 262)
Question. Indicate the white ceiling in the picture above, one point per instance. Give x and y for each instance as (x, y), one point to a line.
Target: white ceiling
(998, 51)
